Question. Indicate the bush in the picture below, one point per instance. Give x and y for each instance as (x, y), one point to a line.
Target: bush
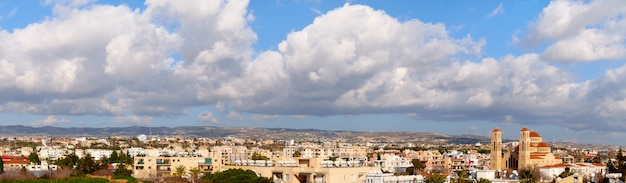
(103, 172)
(62, 173)
(129, 179)
(17, 175)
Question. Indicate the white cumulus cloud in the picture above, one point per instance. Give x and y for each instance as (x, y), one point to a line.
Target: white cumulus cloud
(207, 117)
(580, 30)
(51, 120)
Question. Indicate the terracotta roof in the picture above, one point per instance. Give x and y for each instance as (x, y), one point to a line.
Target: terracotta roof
(534, 134)
(598, 164)
(533, 144)
(15, 160)
(496, 130)
(557, 165)
(536, 157)
(543, 144)
(525, 129)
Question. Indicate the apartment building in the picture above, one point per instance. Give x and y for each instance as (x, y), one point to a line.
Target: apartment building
(310, 170)
(153, 167)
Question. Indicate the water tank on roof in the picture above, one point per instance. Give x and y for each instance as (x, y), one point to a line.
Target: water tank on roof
(142, 137)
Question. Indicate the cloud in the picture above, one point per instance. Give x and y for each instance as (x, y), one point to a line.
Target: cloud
(349, 61)
(221, 107)
(134, 120)
(326, 69)
(578, 31)
(498, 11)
(298, 116)
(234, 115)
(316, 11)
(51, 120)
(264, 117)
(78, 62)
(316, 66)
(207, 117)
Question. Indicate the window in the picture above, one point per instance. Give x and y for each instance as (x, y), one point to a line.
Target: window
(286, 177)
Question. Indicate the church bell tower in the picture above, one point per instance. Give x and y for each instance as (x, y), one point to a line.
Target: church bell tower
(496, 150)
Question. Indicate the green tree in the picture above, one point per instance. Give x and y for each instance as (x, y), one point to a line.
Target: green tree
(566, 173)
(435, 178)
(257, 156)
(124, 158)
(88, 165)
(526, 176)
(121, 171)
(1, 166)
(69, 161)
(114, 157)
(621, 164)
(236, 176)
(483, 180)
(34, 158)
(296, 154)
(179, 171)
(418, 165)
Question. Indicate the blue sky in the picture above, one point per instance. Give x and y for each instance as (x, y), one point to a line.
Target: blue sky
(455, 67)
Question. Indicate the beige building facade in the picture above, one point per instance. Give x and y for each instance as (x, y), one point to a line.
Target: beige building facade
(310, 170)
(154, 167)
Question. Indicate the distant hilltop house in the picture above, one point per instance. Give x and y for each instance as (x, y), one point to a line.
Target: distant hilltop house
(530, 152)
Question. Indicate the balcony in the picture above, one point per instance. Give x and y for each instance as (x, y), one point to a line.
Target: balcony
(162, 162)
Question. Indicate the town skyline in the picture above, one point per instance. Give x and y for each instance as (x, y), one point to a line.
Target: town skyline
(452, 67)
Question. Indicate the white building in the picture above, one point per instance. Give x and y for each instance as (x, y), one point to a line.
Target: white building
(377, 176)
(548, 173)
(393, 163)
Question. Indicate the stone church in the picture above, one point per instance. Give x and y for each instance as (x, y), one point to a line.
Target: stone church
(529, 153)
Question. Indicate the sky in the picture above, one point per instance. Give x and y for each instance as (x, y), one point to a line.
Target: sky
(449, 66)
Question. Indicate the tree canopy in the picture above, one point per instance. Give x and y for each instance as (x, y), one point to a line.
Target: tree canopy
(34, 158)
(236, 176)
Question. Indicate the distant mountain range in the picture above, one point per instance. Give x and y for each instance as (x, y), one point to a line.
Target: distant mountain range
(243, 132)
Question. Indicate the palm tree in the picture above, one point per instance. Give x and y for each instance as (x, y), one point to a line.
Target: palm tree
(195, 171)
(180, 171)
(435, 178)
(463, 174)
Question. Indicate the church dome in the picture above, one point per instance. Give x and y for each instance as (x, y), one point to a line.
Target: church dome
(543, 144)
(534, 134)
(496, 130)
(524, 129)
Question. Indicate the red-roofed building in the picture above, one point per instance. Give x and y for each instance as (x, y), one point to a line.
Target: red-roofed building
(14, 162)
(584, 169)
